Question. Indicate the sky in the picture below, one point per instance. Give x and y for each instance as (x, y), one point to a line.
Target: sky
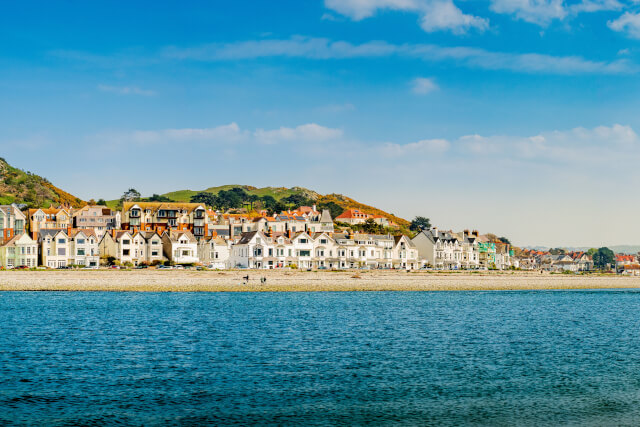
(517, 117)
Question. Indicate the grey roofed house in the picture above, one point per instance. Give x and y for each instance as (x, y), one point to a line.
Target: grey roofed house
(175, 235)
(396, 239)
(246, 237)
(44, 233)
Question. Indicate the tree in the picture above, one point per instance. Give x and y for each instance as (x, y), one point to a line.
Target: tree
(92, 202)
(334, 209)
(420, 223)
(101, 202)
(504, 240)
(231, 199)
(131, 195)
(372, 227)
(205, 198)
(268, 203)
(603, 258)
(591, 252)
(159, 198)
(297, 200)
(557, 251)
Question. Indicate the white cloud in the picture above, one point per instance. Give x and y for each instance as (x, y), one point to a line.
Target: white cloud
(424, 147)
(570, 146)
(595, 6)
(320, 48)
(540, 12)
(423, 86)
(126, 90)
(435, 15)
(576, 146)
(444, 15)
(543, 12)
(337, 108)
(305, 133)
(628, 23)
(225, 134)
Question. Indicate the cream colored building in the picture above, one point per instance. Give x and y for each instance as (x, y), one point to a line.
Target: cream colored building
(20, 250)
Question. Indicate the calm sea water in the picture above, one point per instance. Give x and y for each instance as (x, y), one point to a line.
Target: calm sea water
(446, 358)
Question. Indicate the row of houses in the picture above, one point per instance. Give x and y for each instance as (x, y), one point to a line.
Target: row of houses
(189, 233)
(576, 261)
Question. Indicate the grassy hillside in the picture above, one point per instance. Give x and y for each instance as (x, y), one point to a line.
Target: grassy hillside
(346, 202)
(18, 186)
(279, 193)
(275, 192)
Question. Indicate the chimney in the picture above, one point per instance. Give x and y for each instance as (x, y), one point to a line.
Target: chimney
(434, 231)
(314, 207)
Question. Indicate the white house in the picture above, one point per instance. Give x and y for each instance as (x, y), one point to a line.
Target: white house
(83, 248)
(214, 252)
(180, 246)
(54, 248)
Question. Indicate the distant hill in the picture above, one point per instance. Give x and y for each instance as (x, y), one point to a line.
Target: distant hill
(21, 187)
(279, 193)
(619, 249)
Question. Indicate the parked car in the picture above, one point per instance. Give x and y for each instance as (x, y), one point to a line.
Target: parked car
(141, 266)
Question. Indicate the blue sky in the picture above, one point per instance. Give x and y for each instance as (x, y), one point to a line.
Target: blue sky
(511, 116)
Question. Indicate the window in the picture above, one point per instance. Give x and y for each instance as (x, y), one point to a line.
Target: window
(304, 241)
(185, 253)
(125, 252)
(80, 241)
(62, 251)
(323, 241)
(125, 242)
(61, 241)
(154, 253)
(304, 253)
(81, 252)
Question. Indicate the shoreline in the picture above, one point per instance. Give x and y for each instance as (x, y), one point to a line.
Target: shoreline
(301, 281)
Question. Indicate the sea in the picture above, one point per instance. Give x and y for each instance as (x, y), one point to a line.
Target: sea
(334, 358)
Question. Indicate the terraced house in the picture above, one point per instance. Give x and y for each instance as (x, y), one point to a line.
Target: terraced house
(323, 250)
(134, 248)
(12, 222)
(19, 251)
(100, 219)
(49, 219)
(161, 217)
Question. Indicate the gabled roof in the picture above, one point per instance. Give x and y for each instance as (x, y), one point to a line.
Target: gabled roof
(246, 237)
(42, 234)
(176, 235)
(87, 232)
(156, 206)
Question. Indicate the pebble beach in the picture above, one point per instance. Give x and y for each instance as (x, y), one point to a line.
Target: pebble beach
(299, 281)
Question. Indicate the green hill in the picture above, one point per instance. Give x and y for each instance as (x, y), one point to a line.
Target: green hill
(279, 193)
(22, 187)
